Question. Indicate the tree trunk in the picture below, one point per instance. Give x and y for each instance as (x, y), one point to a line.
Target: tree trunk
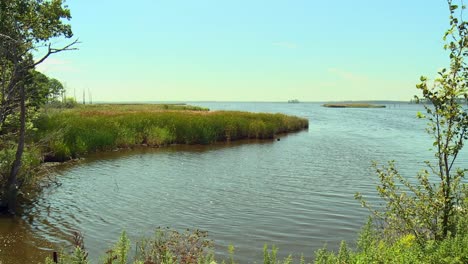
(13, 179)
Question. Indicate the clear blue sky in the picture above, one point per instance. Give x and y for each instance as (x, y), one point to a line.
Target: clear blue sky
(152, 50)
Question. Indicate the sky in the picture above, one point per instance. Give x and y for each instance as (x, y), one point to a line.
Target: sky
(255, 50)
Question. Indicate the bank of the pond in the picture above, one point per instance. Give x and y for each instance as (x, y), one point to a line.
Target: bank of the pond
(71, 133)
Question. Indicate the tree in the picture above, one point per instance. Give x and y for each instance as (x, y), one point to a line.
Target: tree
(41, 89)
(26, 27)
(428, 209)
(55, 89)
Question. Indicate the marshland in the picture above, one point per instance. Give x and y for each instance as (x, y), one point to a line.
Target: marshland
(162, 133)
(92, 128)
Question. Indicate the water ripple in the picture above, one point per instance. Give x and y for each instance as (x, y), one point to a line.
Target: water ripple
(296, 193)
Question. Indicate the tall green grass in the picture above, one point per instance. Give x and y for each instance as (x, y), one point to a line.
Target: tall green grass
(73, 133)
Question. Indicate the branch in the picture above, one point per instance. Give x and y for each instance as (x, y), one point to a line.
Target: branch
(460, 142)
(51, 51)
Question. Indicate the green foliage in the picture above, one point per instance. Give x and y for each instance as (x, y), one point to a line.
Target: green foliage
(27, 28)
(343, 253)
(171, 246)
(69, 102)
(344, 256)
(168, 246)
(269, 257)
(119, 253)
(49, 260)
(426, 221)
(365, 242)
(76, 131)
(55, 90)
(79, 256)
(7, 155)
(30, 161)
(373, 247)
(231, 250)
(42, 90)
(426, 209)
(37, 89)
(66, 102)
(40, 21)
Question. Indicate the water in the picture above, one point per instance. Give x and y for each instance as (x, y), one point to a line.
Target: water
(296, 193)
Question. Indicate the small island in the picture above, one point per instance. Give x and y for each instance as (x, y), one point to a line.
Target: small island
(353, 105)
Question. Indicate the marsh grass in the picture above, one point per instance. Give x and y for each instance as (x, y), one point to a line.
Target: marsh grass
(97, 128)
(115, 109)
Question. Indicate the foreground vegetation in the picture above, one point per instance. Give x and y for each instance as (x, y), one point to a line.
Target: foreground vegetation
(170, 247)
(74, 132)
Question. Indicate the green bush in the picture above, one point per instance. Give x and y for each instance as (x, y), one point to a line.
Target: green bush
(373, 247)
(30, 164)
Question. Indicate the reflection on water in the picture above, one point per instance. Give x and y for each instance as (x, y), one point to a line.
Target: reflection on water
(296, 193)
(18, 244)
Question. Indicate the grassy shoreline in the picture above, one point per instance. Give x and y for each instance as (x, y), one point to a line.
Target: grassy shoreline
(72, 133)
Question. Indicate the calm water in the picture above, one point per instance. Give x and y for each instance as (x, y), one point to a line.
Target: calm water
(296, 193)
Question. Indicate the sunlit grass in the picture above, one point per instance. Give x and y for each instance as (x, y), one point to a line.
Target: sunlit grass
(104, 127)
(115, 109)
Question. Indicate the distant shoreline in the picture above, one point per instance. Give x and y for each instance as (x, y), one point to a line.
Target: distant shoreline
(228, 101)
(353, 105)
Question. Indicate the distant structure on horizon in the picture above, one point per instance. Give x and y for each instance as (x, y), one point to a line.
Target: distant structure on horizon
(293, 101)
